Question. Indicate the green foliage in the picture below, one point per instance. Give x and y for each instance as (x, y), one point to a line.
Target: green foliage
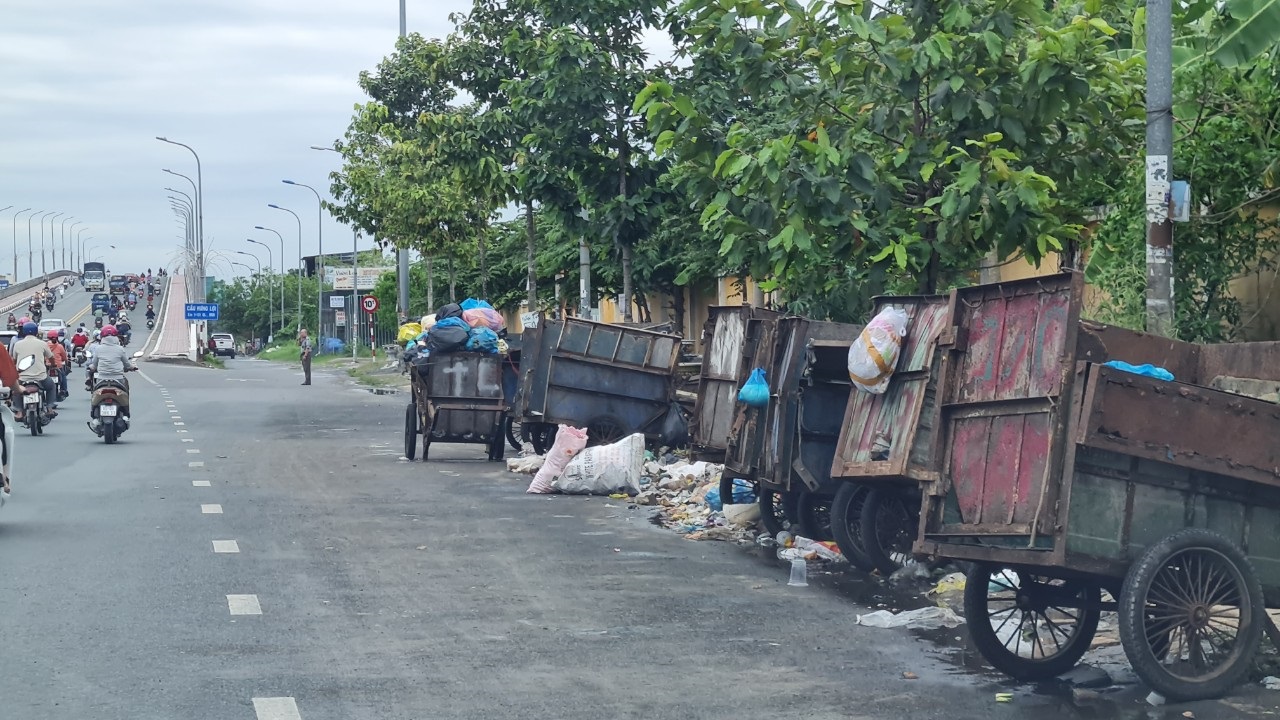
(1227, 141)
(839, 151)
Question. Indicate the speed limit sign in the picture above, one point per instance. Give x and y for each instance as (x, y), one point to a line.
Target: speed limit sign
(369, 303)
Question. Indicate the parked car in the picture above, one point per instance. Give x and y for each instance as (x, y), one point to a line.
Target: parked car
(223, 344)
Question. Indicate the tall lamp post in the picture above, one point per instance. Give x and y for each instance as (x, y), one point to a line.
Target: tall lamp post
(259, 261)
(299, 220)
(271, 308)
(80, 246)
(44, 269)
(31, 258)
(319, 258)
(65, 264)
(282, 270)
(15, 243)
(199, 211)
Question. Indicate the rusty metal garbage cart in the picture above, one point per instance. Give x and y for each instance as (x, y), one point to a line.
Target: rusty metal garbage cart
(609, 379)
(1078, 489)
(457, 397)
(886, 445)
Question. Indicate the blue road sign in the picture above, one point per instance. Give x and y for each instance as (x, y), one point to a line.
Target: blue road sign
(202, 311)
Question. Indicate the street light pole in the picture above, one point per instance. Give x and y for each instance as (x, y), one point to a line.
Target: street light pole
(15, 243)
(199, 211)
(282, 270)
(64, 240)
(402, 255)
(31, 257)
(80, 247)
(44, 269)
(271, 308)
(319, 259)
(299, 220)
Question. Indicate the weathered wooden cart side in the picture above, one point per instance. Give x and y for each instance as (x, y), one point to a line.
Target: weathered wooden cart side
(457, 398)
(734, 339)
(612, 380)
(809, 381)
(1062, 477)
(890, 436)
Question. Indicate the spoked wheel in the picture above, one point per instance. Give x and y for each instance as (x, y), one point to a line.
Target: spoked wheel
(1029, 627)
(542, 436)
(514, 428)
(890, 521)
(813, 513)
(846, 524)
(604, 430)
(774, 510)
(411, 431)
(1191, 615)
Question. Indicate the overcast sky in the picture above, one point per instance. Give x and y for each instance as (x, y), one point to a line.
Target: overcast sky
(87, 85)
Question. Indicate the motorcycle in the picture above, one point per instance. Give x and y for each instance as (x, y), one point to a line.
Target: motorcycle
(36, 314)
(133, 305)
(97, 322)
(81, 357)
(6, 453)
(33, 415)
(151, 323)
(48, 303)
(109, 403)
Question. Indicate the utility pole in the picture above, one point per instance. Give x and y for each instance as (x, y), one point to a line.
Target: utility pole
(402, 255)
(1159, 167)
(584, 270)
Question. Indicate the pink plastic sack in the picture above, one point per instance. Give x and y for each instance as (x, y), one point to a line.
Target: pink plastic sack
(569, 442)
(494, 318)
(475, 318)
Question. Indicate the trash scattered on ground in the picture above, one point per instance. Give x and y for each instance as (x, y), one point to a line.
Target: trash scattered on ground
(910, 676)
(526, 465)
(1004, 697)
(605, 469)
(926, 618)
(1271, 682)
(1086, 676)
(1155, 699)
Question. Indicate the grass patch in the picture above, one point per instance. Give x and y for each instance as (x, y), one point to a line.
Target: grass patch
(285, 352)
(215, 361)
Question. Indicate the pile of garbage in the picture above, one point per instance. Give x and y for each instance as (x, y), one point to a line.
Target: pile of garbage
(472, 325)
(685, 495)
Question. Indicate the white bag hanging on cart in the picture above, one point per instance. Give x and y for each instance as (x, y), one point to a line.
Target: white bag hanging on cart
(874, 355)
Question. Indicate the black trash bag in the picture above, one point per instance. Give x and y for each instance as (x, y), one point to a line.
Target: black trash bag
(446, 338)
(448, 311)
(674, 430)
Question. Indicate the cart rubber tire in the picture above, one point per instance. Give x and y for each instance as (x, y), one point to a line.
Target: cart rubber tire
(1170, 560)
(411, 432)
(889, 524)
(542, 436)
(513, 430)
(605, 430)
(813, 515)
(978, 616)
(846, 524)
(773, 511)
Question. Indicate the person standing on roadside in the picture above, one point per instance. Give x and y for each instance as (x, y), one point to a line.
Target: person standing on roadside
(304, 347)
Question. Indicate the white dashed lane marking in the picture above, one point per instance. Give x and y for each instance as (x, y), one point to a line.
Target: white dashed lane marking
(244, 605)
(201, 483)
(226, 546)
(193, 451)
(276, 708)
(211, 509)
(197, 463)
(188, 439)
(179, 423)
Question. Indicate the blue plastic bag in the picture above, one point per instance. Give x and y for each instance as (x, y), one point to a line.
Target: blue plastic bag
(755, 392)
(1147, 370)
(474, 304)
(482, 339)
(743, 494)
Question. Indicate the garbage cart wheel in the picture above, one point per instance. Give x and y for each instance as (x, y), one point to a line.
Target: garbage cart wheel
(889, 524)
(777, 510)
(1191, 615)
(411, 431)
(846, 524)
(513, 429)
(542, 436)
(604, 430)
(813, 513)
(1030, 627)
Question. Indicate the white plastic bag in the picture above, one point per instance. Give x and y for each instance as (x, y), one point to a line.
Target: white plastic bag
(926, 618)
(569, 442)
(605, 469)
(874, 355)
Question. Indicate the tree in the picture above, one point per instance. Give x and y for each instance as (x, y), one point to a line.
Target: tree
(855, 143)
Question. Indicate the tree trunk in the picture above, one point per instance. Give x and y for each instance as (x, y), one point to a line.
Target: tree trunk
(531, 256)
(624, 152)
(431, 285)
(481, 243)
(677, 308)
(453, 281)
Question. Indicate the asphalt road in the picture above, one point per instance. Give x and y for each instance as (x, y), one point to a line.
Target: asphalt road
(391, 590)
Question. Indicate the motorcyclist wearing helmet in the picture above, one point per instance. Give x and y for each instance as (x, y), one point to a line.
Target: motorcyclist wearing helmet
(81, 338)
(151, 312)
(59, 363)
(111, 362)
(30, 345)
(13, 321)
(124, 329)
